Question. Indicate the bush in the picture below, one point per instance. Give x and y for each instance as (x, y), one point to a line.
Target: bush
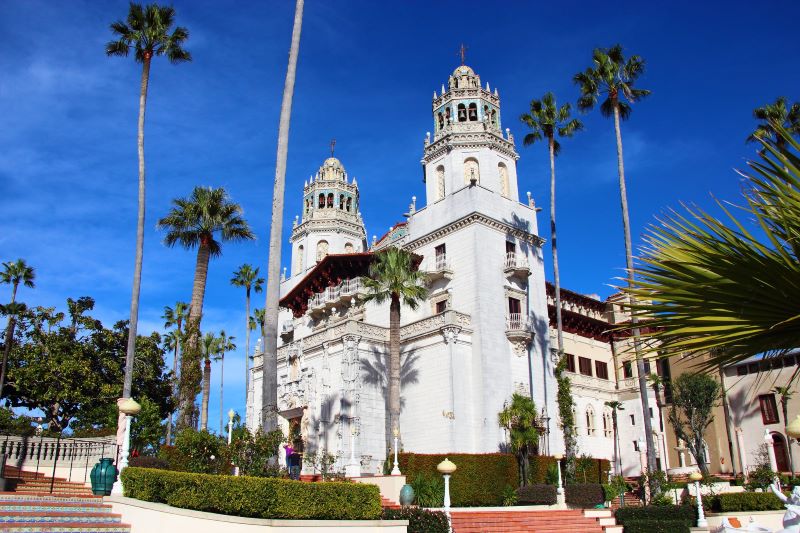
(193, 451)
(657, 518)
(254, 497)
(253, 453)
(428, 490)
(419, 520)
(592, 470)
(479, 480)
(585, 495)
(146, 461)
(509, 496)
(745, 501)
(613, 490)
(662, 526)
(539, 494)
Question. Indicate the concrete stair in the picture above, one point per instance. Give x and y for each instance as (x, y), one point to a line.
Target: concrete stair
(57, 513)
(386, 503)
(23, 481)
(544, 521)
(631, 499)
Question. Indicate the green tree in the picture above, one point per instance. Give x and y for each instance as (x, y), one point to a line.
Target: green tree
(566, 413)
(269, 332)
(147, 32)
(612, 77)
(225, 345)
(519, 419)
(394, 277)
(210, 346)
(194, 222)
(247, 276)
(174, 339)
(616, 406)
(13, 273)
(786, 394)
(722, 289)
(694, 397)
(778, 113)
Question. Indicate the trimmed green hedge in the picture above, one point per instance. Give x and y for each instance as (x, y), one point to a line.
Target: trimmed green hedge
(419, 520)
(657, 518)
(479, 480)
(745, 501)
(661, 526)
(596, 473)
(254, 497)
(586, 495)
(539, 494)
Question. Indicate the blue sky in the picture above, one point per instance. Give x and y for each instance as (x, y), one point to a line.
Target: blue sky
(366, 74)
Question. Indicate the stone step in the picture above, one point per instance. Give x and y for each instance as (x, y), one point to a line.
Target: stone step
(22, 527)
(46, 496)
(59, 517)
(8, 508)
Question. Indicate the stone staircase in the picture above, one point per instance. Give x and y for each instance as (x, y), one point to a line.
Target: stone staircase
(545, 521)
(57, 513)
(631, 499)
(22, 481)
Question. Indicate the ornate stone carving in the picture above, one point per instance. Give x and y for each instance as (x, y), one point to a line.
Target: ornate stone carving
(450, 334)
(520, 347)
(474, 218)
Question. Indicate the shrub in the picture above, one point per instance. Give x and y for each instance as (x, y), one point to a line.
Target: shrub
(253, 453)
(539, 494)
(586, 495)
(594, 470)
(657, 518)
(617, 486)
(428, 490)
(194, 451)
(662, 526)
(509, 496)
(745, 501)
(419, 520)
(254, 497)
(478, 481)
(145, 461)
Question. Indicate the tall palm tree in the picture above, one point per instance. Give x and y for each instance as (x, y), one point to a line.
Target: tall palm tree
(224, 345)
(786, 394)
(194, 222)
(612, 78)
(210, 347)
(519, 419)
(616, 406)
(14, 273)
(147, 31)
(174, 318)
(781, 113)
(269, 332)
(258, 319)
(247, 276)
(393, 276)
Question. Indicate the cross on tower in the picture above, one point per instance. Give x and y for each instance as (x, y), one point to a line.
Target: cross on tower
(333, 145)
(462, 51)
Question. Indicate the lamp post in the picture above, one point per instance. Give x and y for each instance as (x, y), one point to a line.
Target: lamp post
(129, 408)
(560, 498)
(354, 468)
(696, 476)
(446, 468)
(396, 469)
(231, 414)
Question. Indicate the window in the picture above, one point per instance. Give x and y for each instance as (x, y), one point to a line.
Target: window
(441, 120)
(608, 424)
(349, 204)
(441, 306)
(585, 366)
(348, 248)
(511, 248)
(570, 362)
(341, 201)
(440, 253)
(462, 113)
(651, 411)
(514, 307)
(330, 199)
(322, 250)
(636, 446)
(472, 173)
(503, 171)
(769, 409)
(601, 369)
(298, 260)
(473, 112)
(647, 368)
(321, 200)
(589, 422)
(440, 189)
(627, 369)
(633, 420)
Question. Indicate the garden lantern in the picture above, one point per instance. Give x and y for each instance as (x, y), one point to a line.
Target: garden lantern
(130, 408)
(696, 476)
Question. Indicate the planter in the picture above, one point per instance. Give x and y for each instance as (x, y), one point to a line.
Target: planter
(103, 476)
(406, 495)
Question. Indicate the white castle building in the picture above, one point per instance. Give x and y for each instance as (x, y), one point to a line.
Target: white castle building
(482, 334)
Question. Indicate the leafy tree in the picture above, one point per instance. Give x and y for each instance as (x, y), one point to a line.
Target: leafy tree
(694, 397)
(194, 222)
(13, 273)
(393, 276)
(519, 419)
(147, 31)
(269, 332)
(253, 452)
(778, 113)
(722, 289)
(247, 277)
(566, 412)
(225, 345)
(174, 339)
(612, 77)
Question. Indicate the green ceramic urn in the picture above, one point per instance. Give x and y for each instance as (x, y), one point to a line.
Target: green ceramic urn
(406, 495)
(103, 476)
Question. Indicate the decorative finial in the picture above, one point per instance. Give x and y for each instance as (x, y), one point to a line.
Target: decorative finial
(488, 90)
(333, 146)
(495, 92)
(443, 89)
(434, 95)
(462, 51)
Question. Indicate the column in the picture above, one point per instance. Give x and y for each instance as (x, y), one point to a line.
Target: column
(742, 453)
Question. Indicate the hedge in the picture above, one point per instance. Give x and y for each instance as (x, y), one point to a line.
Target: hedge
(539, 494)
(745, 501)
(419, 520)
(657, 518)
(597, 473)
(479, 479)
(661, 526)
(254, 497)
(586, 495)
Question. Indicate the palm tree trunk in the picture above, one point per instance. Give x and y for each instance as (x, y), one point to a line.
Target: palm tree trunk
(174, 384)
(206, 393)
(626, 227)
(190, 362)
(247, 348)
(784, 407)
(617, 462)
(7, 349)
(269, 365)
(221, 385)
(394, 362)
(556, 278)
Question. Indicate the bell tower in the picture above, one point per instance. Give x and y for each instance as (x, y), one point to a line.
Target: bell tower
(468, 147)
(331, 222)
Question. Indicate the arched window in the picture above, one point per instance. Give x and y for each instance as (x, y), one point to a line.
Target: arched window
(348, 248)
(440, 191)
(494, 118)
(441, 120)
(486, 113)
(322, 250)
(298, 260)
(330, 199)
(341, 201)
(608, 424)
(589, 421)
(503, 171)
(447, 117)
(462, 113)
(473, 112)
(472, 171)
(321, 200)
(574, 420)
(349, 204)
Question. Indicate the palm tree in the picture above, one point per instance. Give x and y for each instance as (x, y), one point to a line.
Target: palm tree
(269, 332)
(616, 406)
(224, 345)
(13, 273)
(258, 319)
(612, 77)
(210, 347)
(780, 113)
(194, 222)
(147, 31)
(393, 276)
(519, 419)
(786, 394)
(174, 317)
(247, 277)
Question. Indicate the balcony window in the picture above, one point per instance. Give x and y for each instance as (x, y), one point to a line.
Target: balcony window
(441, 306)
(570, 362)
(441, 257)
(601, 369)
(769, 409)
(585, 366)
(627, 369)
